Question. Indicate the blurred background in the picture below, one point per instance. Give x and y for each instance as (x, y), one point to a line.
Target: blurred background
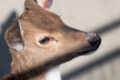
(100, 16)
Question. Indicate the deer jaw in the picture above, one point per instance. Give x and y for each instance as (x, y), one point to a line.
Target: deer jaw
(40, 37)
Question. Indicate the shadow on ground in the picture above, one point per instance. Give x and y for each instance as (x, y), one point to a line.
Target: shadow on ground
(108, 27)
(112, 55)
(5, 57)
(76, 72)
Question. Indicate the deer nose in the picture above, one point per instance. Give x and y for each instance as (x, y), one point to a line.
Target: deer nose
(94, 40)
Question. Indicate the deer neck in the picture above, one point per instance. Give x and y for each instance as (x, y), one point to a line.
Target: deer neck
(21, 63)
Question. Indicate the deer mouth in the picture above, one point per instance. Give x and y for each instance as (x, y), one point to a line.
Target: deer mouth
(87, 52)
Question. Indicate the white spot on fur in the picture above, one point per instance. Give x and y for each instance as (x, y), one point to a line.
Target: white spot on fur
(18, 47)
(17, 67)
(11, 63)
(39, 3)
(53, 74)
(20, 26)
(12, 72)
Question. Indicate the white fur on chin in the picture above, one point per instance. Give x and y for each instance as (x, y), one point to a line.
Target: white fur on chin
(53, 74)
(91, 52)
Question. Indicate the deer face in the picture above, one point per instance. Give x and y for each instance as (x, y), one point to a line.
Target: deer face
(41, 36)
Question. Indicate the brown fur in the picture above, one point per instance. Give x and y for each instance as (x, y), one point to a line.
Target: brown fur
(34, 60)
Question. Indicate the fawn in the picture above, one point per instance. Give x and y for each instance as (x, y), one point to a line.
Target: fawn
(39, 42)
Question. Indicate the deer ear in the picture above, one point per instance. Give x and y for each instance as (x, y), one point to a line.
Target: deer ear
(46, 4)
(13, 36)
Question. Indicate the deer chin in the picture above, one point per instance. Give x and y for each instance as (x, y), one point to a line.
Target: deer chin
(87, 52)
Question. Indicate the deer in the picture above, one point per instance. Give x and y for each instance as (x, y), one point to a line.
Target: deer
(39, 41)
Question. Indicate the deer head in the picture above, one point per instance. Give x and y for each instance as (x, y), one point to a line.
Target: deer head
(38, 36)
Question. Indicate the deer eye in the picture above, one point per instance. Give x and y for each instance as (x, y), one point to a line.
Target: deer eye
(44, 40)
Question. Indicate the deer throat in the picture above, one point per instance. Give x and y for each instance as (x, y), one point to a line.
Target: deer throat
(19, 64)
(53, 74)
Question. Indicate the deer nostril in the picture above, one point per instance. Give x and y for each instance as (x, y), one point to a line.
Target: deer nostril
(94, 40)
